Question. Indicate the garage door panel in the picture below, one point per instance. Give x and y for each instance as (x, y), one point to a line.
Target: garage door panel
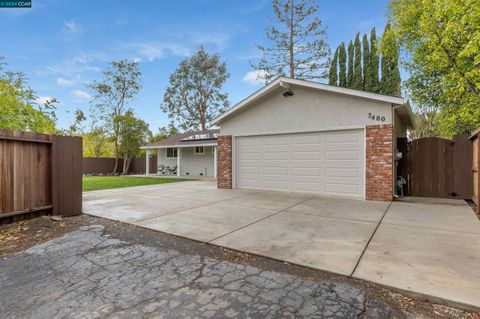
(276, 163)
(275, 156)
(271, 184)
(323, 162)
(306, 155)
(341, 172)
(306, 171)
(341, 155)
(275, 171)
(305, 139)
(305, 163)
(275, 140)
(307, 187)
(343, 137)
(249, 170)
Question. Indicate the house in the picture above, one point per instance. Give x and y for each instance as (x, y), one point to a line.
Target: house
(190, 154)
(295, 135)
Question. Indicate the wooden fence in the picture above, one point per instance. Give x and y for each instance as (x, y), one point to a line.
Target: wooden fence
(475, 138)
(40, 172)
(105, 165)
(437, 167)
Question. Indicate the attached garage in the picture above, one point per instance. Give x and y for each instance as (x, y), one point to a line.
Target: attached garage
(301, 136)
(329, 162)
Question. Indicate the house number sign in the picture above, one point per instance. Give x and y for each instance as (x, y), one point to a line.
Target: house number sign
(376, 117)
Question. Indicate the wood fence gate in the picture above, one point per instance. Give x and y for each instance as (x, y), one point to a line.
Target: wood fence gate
(437, 167)
(40, 172)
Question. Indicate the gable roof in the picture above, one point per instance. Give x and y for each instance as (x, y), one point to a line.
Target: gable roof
(182, 140)
(287, 82)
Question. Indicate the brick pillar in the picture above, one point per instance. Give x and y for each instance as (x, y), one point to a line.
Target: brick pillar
(224, 162)
(379, 162)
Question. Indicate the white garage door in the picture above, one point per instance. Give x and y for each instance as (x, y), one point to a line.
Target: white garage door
(324, 162)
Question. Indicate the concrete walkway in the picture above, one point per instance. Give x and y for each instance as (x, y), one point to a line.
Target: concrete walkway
(426, 247)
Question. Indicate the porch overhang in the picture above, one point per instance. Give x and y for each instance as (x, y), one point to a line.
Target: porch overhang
(178, 145)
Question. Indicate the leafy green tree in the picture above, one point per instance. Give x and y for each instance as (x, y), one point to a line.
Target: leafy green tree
(76, 127)
(194, 96)
(350, 65)
(96, 143)
(333, 73)
(165, 132)
(442, 40)
(18, 109)
(374, 62)
(134, 133)
(357, 68)
(342, 56)
(367, 66)
(390, 83)
(298, 42)
(113, 96)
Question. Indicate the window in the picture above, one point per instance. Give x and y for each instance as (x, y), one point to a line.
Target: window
(171, 153)
(199, 150)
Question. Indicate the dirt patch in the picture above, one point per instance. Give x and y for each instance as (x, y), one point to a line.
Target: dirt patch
(23, 234)
(18, 236)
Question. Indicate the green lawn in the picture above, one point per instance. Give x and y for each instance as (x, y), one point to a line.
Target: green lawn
(92, 183)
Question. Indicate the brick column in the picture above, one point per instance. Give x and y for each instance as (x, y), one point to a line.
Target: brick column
(379, 162)
(224, 162)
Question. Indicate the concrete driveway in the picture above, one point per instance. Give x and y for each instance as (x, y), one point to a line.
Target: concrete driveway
(427, 247)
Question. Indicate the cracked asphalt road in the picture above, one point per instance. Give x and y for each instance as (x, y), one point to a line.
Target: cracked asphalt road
(88, 274)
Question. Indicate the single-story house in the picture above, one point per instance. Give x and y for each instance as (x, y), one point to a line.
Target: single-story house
(301, 136)
(190, 154)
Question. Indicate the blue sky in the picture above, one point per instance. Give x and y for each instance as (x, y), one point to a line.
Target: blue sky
(62, 45)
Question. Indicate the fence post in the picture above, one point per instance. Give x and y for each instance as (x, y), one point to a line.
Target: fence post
(475, 139)
(66, 175)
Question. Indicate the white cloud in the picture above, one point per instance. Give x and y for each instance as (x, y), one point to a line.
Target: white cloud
(73, 66)
(43, 99)
(255, 77)
(82, 94)
(71, 26)
(219, 39)
(66, 82)
(156, 50)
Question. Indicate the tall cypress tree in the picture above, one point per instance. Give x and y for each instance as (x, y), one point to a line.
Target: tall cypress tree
(350, 65)
(357, 68)
(390, 81)
(342, 62)
(332, 75)
(367, 66)
(374, 59)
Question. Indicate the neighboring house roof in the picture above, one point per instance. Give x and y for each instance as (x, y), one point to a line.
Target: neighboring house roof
(191, 138)
(403, 107)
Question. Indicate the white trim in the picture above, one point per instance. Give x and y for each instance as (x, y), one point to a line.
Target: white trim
(179, 154)
(215, 162)
(341, 128)
(199, 153)
(234, 155)
(166, 153)
(177, 146)
(282, 81)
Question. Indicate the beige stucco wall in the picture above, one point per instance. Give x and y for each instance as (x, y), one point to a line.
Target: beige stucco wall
(190, 162)
(308, 110)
